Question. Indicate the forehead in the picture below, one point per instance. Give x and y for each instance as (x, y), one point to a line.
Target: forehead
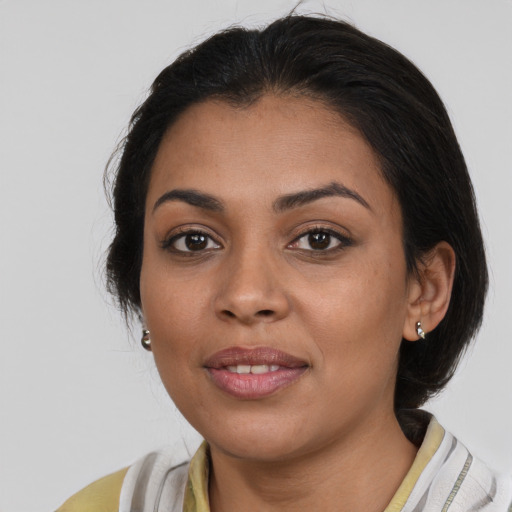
(275, 146)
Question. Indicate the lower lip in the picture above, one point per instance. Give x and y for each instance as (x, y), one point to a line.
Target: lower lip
(250, 386)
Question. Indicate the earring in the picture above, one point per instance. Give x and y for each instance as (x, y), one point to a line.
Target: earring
(419, 331)
(146, 340)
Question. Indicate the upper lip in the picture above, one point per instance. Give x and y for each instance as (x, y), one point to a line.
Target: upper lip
(253, 356)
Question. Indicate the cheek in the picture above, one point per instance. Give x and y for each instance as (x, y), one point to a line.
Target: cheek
(359, 315)
(166, 307)
(175, 329)
(357, 329)
(173, 314)
(166, 293)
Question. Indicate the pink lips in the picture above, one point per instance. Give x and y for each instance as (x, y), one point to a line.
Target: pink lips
(263, 371)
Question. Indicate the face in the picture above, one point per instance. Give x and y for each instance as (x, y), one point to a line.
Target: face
(273, 279)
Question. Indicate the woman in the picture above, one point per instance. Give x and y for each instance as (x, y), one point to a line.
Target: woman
(296, 229)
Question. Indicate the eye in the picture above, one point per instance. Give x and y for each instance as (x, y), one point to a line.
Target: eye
(190, 241)
(320, 240)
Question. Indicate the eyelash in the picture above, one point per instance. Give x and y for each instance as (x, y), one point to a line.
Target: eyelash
(344, 241)
(169, 243)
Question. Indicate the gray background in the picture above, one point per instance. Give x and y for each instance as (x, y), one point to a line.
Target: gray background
(78, 397)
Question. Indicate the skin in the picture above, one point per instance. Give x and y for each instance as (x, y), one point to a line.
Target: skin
(326, 439)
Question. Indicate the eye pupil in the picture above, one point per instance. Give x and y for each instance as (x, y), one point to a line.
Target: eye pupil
(319, 240)
(196, 242)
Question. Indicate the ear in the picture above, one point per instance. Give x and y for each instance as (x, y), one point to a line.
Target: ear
(429, 292)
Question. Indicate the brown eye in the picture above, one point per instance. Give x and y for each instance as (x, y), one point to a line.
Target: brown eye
(196, 242)
(318, 241)
(193, 241)
(321, 240)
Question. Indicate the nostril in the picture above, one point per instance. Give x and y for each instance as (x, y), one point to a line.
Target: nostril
(261, 314)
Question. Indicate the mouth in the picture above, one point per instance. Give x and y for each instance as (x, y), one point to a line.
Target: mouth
(253, 374)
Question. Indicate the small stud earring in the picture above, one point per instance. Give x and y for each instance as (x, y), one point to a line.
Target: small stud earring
(145, 341)
(419, 331)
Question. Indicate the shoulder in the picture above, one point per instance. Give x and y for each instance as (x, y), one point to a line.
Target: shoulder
(100, 496)
(496, 487)
(480, 485)
(446, 475)
(455, 478)
(157, 478)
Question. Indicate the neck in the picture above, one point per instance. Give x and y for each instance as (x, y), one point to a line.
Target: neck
(356, 474)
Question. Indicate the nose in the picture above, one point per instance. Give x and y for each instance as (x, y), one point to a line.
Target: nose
(251, 290)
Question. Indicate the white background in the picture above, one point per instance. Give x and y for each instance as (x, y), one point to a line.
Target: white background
(78, 397)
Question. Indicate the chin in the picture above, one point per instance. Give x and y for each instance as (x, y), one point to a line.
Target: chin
(263, 438)
(262, 448)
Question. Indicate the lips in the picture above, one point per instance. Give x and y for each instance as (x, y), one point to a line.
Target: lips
(253, 373)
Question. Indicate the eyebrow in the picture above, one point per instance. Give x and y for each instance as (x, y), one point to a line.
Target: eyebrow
(192, 197)
(280, 205)
(302, 198)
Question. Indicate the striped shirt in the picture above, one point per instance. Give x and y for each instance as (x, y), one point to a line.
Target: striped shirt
(445, 477)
